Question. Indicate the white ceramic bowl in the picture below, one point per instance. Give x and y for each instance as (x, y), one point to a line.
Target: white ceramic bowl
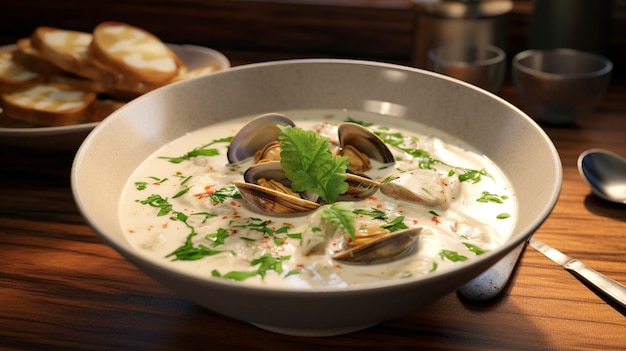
(507, 136)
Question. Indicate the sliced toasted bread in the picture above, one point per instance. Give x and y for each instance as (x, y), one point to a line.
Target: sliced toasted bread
(47, 104)
(66, 49)
(13, 76)
(133, 52)
(30, 58)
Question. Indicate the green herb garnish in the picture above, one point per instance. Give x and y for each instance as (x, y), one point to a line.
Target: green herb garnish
(310, 165)
(266, 263)
(475, 249)
(452, 256)
(503, 215)
(341, 216)
(218, 237)
(472, 175)
(182, 192)
(395, 225)
(373, 212)
(200, 151)
(221, 194)
(190, 252)
(489, 197)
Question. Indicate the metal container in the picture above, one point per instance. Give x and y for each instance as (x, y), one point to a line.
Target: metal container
(575, 24)
(467, 22)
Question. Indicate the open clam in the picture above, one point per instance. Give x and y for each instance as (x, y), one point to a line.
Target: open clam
(255, 136)
(380, 248)
(360, 144)
(359, 187)
(267, 188)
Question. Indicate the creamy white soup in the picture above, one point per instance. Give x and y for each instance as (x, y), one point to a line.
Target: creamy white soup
(184, 206)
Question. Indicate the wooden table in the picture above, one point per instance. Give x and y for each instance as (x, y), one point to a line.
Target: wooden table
(62, 288)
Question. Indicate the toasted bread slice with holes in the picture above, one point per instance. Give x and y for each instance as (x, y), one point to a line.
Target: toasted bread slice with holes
(13, 76)
(47, 104)
(66, 49)
(133, 52)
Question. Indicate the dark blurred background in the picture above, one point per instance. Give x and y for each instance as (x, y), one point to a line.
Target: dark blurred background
(382, 30)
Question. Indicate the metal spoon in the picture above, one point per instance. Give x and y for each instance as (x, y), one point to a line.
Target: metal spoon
(605, 172)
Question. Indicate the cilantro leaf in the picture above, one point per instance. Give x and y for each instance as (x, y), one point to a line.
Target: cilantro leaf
(395, 225)
(221, 194)
(475, 249)
(452, 256)
(309, 164)
(373, 212)
(200, 151)
(341, 215)
(265, 263)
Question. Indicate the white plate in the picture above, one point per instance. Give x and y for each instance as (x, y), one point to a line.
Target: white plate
(71, 136)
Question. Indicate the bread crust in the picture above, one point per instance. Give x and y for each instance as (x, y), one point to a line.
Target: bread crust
(47, 104)
(30, 58)
(133, 52)
(14, 76)
(66, 49)
(107, 67)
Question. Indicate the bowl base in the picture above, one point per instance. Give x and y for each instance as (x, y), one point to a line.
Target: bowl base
(313, 332)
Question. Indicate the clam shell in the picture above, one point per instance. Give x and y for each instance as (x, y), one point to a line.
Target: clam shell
(365, 141)
(268, 200)
(385, 248)
(359, 187)
(274, 202)
(255, 135)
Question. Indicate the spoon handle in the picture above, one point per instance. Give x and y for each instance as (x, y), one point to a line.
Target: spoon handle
(603, 284)
(612, 289)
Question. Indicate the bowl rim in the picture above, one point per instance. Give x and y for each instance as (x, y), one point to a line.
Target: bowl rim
(498, 55)
(607, 64)
(492, 256)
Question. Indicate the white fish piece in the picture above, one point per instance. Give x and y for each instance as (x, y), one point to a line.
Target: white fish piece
(425, 187)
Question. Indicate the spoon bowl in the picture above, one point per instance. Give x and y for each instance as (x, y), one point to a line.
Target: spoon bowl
(605, 172)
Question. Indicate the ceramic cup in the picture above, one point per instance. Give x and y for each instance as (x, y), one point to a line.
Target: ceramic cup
(558, 86)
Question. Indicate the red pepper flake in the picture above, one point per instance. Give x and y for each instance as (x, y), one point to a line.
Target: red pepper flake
(435, 219)
(164, 225)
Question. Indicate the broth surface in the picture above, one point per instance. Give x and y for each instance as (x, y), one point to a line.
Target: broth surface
(190, 206)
